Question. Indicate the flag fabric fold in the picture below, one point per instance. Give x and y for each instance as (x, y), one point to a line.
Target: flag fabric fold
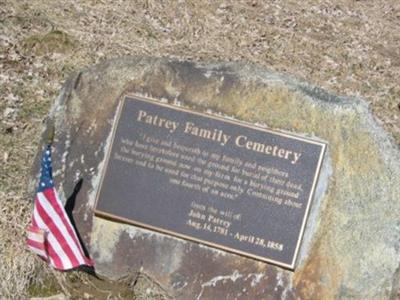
(51, 234)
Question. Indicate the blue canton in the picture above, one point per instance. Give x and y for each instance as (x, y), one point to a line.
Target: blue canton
(46, 176)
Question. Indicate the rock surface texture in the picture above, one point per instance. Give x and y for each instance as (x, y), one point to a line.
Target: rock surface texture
(351, 247)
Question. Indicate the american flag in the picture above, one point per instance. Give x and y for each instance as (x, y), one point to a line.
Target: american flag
(51, 234)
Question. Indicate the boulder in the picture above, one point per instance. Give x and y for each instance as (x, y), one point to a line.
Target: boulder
(351, 246)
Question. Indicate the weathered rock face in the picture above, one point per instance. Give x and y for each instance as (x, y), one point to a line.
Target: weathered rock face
(351, 247)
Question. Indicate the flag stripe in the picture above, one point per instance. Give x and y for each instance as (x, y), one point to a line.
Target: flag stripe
(35, 244)
(73, 241)
(37, 250)
(35, 230)
(56, 253)
(37, 237)
(36, 240)
(55, 260)
(56, 228)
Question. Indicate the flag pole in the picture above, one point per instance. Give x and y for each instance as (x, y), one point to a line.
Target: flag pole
(50, 132)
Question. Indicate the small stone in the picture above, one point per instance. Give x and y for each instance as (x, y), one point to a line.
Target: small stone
(5, 157)
(87, 296)
(8, 112)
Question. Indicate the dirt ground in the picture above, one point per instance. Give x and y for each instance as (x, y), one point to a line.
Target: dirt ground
(349, 47)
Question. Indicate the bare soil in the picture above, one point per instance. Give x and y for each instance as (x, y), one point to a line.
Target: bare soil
(348, 47)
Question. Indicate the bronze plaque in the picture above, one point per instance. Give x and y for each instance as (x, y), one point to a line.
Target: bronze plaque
(213, 180)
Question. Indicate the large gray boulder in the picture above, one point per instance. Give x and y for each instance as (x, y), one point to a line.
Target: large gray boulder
(351, 247)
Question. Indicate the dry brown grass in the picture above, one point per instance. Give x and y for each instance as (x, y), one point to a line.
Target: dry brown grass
(349, 47)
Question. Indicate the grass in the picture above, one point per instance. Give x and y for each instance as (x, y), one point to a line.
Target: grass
(348, 47)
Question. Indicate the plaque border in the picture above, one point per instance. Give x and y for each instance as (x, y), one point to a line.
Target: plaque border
(112, 217)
